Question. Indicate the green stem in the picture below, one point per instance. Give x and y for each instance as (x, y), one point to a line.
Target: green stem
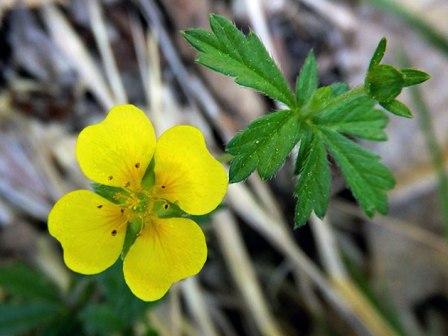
(436, 154)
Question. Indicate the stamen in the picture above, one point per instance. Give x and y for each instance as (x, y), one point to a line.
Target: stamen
(137, 165)
(100, 206)
(166, 206)
(127, 184)
(110, 177)
(163, 187)
(114, 232)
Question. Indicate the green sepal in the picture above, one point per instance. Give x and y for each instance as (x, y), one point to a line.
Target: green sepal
(384, 82)
(133, 230)
(149, 178)
(165, 209)
(398, 108)
(414, 76)
(378, 53)
(116, 195)
(308, 80)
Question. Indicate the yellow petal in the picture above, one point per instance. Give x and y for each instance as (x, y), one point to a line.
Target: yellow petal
(117, 151)
(167, 251)
(186, 172)
(90, 229)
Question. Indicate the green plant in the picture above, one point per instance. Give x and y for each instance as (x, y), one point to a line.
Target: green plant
(320, 120)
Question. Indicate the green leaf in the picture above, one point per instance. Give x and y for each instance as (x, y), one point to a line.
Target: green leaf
(116, 195)
(313, 187)
(126, 306)
(339, 88)
(353, 113)
(18, 319)
(308, 80)
(264, 145)
(23, 282)
(304, 147)
(101, 319)
(398, 108)
(228, 51)
(367, 177)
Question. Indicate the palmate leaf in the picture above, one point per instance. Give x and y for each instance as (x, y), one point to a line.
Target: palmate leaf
(228, 51)
(264, 145)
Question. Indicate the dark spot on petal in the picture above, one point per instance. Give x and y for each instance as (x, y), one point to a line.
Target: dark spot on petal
(114, 232)
(166, 206)
(163, 187)
(110, 177)
(122, 210)
(137, 165)
(100, 206)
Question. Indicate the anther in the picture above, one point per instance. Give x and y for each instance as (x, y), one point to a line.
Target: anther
(100, 206)
(110, 177)
(137, 165)
(166, 206)
(127, 184)
(114, 232)
(163, 187)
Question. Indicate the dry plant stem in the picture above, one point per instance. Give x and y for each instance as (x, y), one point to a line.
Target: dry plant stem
(399, 227)
(100, 32)
(242, 271)
(434, 150)
(327, 246)
(175, 311)
(154, 75)
(274, 232)
(152, 15)
(257, 18)
(24, 201)
(71, 45)
(193, 88)
(196, 304)
(50, 263)
(338, 15)
(329, 253)
(139, 42)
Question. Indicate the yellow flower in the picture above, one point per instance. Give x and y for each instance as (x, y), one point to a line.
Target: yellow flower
(152, 183)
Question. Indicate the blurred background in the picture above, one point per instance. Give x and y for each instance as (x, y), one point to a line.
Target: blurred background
(63, 64)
